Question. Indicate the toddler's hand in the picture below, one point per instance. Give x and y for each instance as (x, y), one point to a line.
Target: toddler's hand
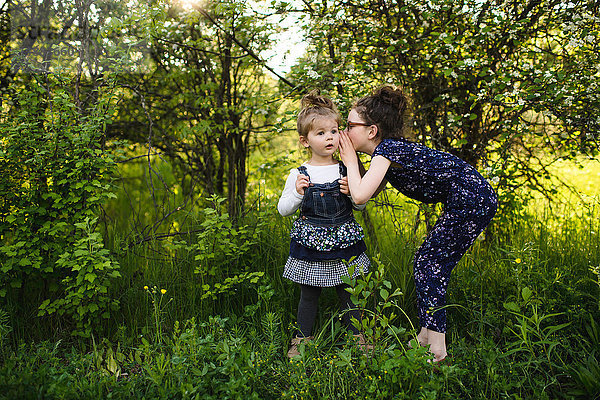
(344, 185)
(301, 183)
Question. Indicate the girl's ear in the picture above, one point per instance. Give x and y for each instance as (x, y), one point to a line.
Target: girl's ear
(373, 132)
(304, 141)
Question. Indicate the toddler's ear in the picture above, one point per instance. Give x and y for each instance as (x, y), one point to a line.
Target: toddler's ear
(303, 141)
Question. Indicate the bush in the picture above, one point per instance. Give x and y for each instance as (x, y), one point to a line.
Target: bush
(54, 178)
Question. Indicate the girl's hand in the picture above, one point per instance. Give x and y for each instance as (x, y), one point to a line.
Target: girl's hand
(347, 152)
(344, 188)
(301, 183)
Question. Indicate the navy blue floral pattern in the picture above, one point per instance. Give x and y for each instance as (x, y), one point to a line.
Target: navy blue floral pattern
(432, 176)
(326, 238)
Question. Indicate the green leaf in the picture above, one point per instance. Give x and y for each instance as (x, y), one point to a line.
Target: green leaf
(526, 293)
(24, 261)
(80, 252)
(384, 294)
(346, 279)
(512, 306)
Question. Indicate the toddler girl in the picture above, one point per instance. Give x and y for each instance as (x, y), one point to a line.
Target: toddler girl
(325, 235)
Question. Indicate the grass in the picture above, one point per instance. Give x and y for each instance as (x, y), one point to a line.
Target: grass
(583, 174)
(523, 316)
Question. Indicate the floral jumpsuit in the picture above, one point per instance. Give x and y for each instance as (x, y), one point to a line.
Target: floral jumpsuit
(432, 176)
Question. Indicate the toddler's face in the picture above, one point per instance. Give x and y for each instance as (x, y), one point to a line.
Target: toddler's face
(324, 137)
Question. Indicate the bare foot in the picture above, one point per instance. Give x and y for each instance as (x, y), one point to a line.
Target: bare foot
(437, 345)
(423, 337)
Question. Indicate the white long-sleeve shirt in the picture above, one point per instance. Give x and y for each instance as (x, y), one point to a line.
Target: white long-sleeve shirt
(290, 199)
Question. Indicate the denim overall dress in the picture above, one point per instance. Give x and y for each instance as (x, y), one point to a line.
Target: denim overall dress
(323, 203)
(324, 236)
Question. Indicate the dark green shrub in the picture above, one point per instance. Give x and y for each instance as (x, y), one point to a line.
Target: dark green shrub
(55, 177)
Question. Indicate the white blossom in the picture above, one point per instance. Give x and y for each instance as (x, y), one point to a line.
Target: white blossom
(469, 62)
(313, 74)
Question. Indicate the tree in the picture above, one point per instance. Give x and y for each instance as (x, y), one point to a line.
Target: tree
(55, 171)
(510, 84)
(205, 97)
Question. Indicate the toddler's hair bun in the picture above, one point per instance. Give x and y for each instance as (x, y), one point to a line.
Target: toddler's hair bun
(314, 105)
(314, 99)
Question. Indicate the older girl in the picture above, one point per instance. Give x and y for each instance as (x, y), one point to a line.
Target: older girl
(374, 126)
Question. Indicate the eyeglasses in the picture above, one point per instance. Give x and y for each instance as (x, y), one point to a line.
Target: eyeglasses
(350, 125)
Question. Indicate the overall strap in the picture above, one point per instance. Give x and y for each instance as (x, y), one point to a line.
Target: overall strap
(303, 171)
(343, 169)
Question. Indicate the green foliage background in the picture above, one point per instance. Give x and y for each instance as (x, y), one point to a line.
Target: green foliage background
(141, 250)
(55, 180)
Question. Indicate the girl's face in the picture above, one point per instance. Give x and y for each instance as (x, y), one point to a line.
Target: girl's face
(323, 139)
(358, 130)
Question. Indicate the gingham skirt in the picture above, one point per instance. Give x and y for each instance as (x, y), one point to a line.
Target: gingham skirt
(324, 273)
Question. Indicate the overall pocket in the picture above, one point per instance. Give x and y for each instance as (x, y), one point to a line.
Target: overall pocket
(328, 203)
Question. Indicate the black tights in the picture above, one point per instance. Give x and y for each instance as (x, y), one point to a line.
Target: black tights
(309, 304)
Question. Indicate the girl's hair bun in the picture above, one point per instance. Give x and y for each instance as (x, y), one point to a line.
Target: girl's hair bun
(393, 96)
(387, 108)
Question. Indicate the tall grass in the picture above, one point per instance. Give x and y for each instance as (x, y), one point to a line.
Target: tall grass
(523, 312)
